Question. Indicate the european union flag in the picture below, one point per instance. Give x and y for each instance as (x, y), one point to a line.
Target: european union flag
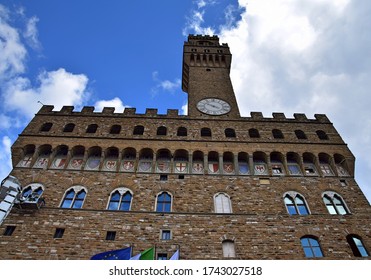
(121, 254)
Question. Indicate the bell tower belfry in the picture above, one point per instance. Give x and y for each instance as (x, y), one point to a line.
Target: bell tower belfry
(205, 77)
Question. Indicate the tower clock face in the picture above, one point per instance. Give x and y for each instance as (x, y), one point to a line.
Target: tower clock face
(213, 106)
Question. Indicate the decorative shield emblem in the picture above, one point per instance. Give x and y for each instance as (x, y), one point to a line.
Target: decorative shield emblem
(127, 166)
(228, 168)
(294, 169)
(163, 166)
(145, 166)
(277, 169)
(93, 163)
(213, 167)
(260, 169)
(41, 162)
(326, 170)
(243, 167)
(76, 163)
(198, 167)
(59, 163)
(110, 165)
(25, 162)
(181, 167)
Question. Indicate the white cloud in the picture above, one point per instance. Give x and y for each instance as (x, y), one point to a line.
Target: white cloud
(5, 157)
(115, 102)
(12, 51)
(184, 109)
(164, 85)
(194, 24)
(31, 33)
(58, 88)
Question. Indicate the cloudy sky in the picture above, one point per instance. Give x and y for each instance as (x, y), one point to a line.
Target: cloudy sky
(291, 56)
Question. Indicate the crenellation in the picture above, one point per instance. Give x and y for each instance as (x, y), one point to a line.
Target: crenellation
(67, 109)
(322, 118)
(108, 110)
(130, 111)
(150, 112)
(279, 116)
(256, 115)
(88, 110)
(300, 117)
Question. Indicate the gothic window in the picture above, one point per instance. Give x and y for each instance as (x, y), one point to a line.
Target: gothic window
(277, 134)
(222, 203)
(163, 202)
(205, 132)
(230, 133)
(69, 127)
(120, 200)
(138, 130)
(357, 246)
(300, 134)
(311, 247)
(295, 204)
(162, 131)
(32, 192)
(182, 131)
(46, 127)
(115, 129)
(92, 128)
(254, 133)
(228, 249)
(322, 135)
(335, 204)
(74, 198)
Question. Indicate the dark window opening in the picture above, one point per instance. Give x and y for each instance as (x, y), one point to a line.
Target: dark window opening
(322, 135)
(111, 235)
(254, 133)
(162, 256)
(46, 127)
(138, 130)
(163, 177)
(230, 133)
(277, 134)
(300, 134)
(59, 233)
(115, 129)
(9, 230)
(161, 131)
(182, 131)
(205, 132)
(69, 127)
(92, 128)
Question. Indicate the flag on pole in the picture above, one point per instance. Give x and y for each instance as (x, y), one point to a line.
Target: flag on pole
(121, 254)
(148, 254)
(175, 256)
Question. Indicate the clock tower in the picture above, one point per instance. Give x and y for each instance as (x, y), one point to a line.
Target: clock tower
(205, 77)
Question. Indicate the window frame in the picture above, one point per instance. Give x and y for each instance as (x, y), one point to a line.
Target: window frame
(77, 190)
(122, 192)
(331, 204)
(227, 199)
(357, 252)
(313, 243)
(293, 196)
(164, 203)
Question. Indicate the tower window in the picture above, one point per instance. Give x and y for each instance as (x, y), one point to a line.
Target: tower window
(120, 200)
(92, 128)
(182, 131)
(115, 129)
(277, 134)
(295, 204)
(138, 130)
(322, 135)
(357, 246)
(161, 256)
(74, 198)
(163, 202)
(335, 204)
(111, 235)
(59, 233)
(222, 203)
(165, 234)
(9, 230)
(300, 134)
(69, 127)
(228, 249)
(161, 131)
(46, 127)
(230, 133)
(205, 132)
(311, 247)
(254, 133)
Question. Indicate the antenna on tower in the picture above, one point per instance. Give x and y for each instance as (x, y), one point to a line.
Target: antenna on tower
(40, 102)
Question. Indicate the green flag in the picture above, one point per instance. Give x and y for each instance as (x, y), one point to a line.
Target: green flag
(148, 254)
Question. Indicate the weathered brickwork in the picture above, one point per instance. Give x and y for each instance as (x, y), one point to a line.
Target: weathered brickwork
(297, 157)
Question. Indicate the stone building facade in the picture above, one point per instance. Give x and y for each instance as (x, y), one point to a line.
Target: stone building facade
(211, 183)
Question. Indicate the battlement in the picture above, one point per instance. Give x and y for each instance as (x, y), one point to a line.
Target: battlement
(202, 39)
(173, 113)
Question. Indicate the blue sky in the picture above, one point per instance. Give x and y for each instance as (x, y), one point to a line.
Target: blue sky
(302, 56)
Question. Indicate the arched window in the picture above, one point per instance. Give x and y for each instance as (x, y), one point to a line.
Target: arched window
(357, 246)
(295, 204)
(120, 200)
(300, 134)
(322, 135)
(335, 204)
(74, 198)
(163, 203)
(92, 128)
(46, 127)
(254, 133)
(205, 132)
(69, 127)
(230, 133)
(115, 129)
(182, 131)
(228, 249)
(277, 134)
(162, 131)
(138, 130)
(311, 247)
(222, 203)
(32, 192)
